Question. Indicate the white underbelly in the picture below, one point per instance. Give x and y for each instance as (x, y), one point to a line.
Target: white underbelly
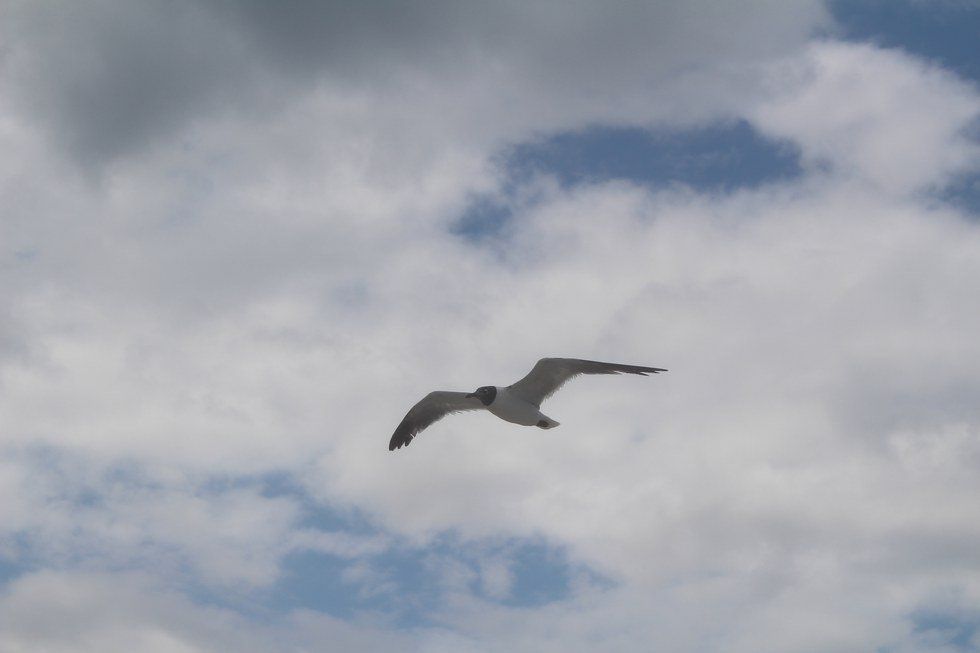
(510, 408)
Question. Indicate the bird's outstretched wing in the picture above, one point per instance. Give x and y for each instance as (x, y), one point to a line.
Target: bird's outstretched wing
(430, 410)
(549, 374)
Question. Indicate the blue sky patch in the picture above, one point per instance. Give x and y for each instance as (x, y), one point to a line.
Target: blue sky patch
(718, 158)
(964, 193)
(315, 581)
(956, 630)
(944, 32)
(409, 585)
(542, 574)
(9, 570)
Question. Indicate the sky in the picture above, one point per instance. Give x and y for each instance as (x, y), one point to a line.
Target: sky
(239, 239)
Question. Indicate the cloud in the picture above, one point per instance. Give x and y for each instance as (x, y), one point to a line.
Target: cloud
(111, 81)
(80, 612)
(68, 510)
(262, 277)
(892, 121)
(115, 612)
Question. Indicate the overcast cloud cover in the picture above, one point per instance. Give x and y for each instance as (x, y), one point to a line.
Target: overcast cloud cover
(231, 257)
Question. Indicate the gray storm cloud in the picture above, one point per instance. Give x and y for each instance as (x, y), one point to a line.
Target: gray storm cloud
(112, 79)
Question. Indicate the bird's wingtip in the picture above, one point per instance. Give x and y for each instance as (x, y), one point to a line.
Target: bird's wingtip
(398, 443)
(646, 371)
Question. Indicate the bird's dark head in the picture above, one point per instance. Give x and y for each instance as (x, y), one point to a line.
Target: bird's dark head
(486, 394)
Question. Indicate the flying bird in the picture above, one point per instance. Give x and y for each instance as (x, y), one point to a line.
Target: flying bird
(519, 402)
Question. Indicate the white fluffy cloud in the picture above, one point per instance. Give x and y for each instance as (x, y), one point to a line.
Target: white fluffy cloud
(98, 612)
(248, 269)
(892, 121)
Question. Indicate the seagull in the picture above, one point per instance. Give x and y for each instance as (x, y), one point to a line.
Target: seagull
(519, 403)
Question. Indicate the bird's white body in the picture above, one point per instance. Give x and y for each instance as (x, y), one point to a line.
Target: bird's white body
(517, 411)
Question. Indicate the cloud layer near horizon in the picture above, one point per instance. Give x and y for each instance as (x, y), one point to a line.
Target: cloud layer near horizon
(227, 256)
